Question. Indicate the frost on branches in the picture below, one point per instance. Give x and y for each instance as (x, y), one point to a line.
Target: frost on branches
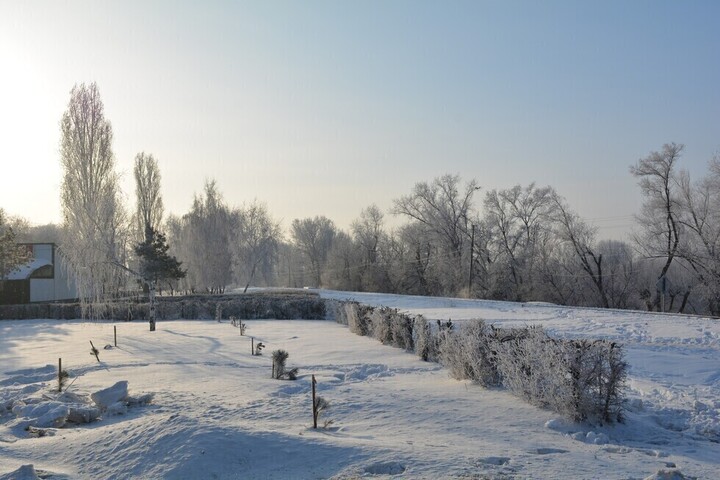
(94, 223)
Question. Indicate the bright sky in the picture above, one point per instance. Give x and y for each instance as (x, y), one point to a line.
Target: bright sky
(323, 107)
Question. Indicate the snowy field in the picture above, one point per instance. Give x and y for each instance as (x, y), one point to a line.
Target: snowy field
(216, 413)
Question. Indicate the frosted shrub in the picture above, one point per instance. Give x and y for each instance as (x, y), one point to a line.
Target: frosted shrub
(532, 366)
(425, 340)
(335, 310)
(450, 354)
(612, 383)
(380, 325)
(355, 316)
(401, 330)
(470, 353)
(597, 376)
(479, 349)
(580, 379)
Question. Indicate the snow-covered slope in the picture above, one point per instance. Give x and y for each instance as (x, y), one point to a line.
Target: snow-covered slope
(216, 413)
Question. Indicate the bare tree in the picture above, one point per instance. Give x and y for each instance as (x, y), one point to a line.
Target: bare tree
(149, 204)
(94, 223)
(314, 237)
(620, 272)
(419, 261)
(701, 221)
(47, 233)
(445, 211)
(369, 236)
(256, 238)
(344, 264)
(580, 236)
(208, 235)
(442, 207)
(515, 218)
(181, 247)
(660, 216)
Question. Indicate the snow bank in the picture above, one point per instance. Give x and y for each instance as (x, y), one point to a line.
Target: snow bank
(26, 472)
(111, 395)
(36, 408)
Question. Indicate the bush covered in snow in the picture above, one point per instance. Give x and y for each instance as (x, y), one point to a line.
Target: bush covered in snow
(581, 379)
(470, 353)
(354, 315)
(280, 305)
(384, 324)
(426, 343)
(401, 331)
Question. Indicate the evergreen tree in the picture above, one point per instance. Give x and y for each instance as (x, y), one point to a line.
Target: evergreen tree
(156, 264)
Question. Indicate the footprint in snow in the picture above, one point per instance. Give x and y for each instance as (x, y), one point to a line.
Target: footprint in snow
(385, 468)
(494, 461)
(547, 451)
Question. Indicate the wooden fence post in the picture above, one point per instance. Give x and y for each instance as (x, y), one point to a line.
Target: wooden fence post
(314, 409)
(94, 351)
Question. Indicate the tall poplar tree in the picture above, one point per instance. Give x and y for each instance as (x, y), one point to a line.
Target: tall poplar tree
(94, 236)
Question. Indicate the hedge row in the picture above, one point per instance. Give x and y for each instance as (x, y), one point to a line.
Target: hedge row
(580, 379)
(248, 306)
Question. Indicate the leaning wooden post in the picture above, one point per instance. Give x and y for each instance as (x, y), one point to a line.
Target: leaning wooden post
(252, 345)
(94, 351)
(115, 333)
(315, 412)
(59, 374)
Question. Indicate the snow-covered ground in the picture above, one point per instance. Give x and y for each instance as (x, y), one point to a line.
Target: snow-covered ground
(216, 413)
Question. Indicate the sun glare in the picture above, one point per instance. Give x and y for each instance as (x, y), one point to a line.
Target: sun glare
(29, 159)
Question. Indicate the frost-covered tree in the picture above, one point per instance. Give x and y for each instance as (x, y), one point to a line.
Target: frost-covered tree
(344, 264)
(47, 233)
(314, 238)
(12, 255)
(254, 242)
(517, 221)
(580, 239)
(621, 273)
(701, 221)
(444, 208)
(370, 238)
(94, 239)
(207, 231)
(148, 199)
(420, 263)
(659, 218)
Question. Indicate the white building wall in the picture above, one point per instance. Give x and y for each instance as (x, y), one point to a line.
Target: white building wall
(60, 287)
(42, 290)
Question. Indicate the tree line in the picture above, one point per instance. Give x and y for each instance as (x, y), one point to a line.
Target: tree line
(523, 243)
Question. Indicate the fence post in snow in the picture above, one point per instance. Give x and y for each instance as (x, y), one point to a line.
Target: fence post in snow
(314, 404)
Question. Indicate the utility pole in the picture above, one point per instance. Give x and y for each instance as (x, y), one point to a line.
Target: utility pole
(472, 248)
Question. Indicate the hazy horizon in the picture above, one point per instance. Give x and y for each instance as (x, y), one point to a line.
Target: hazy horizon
(322, 108)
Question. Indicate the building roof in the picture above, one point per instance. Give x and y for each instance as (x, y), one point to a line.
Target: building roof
(24, 272)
